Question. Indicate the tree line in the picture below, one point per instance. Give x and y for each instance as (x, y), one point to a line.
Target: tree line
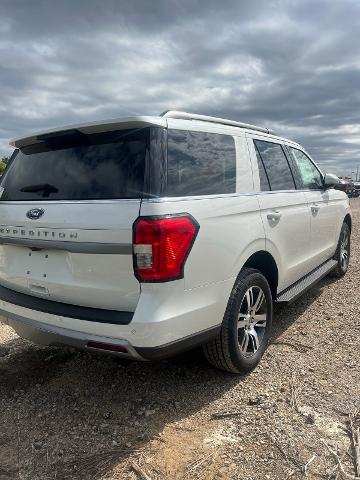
(4, 161)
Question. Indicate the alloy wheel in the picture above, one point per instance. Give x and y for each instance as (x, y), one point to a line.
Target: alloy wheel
(252, 320)
(344, 250)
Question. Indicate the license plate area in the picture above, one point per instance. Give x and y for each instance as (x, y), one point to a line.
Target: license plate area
(27, 266)
(37, 264)
(91, 280)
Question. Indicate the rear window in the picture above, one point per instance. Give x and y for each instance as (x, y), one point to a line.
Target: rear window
(200, 163)
(74, 166)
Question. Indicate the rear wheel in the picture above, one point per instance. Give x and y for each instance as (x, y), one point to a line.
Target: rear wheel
(342, 254)
(246, 327)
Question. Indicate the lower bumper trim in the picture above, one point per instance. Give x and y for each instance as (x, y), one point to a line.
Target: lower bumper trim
(178, 346)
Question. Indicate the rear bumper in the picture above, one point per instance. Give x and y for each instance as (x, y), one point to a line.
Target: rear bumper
(167, 320)
(44, 334)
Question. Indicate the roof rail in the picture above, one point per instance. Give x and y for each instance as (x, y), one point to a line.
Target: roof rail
(206, 118)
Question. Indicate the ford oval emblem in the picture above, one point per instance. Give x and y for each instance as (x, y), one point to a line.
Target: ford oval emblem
(35, 213)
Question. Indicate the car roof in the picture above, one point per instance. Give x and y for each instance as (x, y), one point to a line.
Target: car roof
(143, 121)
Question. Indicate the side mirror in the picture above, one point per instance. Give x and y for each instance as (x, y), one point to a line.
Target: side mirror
(331, 180)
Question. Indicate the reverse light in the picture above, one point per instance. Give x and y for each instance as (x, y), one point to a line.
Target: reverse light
(162, 245)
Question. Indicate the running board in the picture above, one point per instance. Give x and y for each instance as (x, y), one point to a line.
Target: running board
(293, 292)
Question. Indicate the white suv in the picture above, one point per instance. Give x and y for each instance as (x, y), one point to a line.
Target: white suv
(146, 236)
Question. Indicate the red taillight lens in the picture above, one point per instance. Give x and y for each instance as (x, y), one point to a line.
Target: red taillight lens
(107, 346)
(161, 246)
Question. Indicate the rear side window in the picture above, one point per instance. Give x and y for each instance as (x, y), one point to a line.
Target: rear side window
(275, 164)
(74, 166)
(310, 175)
(200, 163)
(264, 182)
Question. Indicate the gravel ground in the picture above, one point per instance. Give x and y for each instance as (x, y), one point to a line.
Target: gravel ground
(70, 415)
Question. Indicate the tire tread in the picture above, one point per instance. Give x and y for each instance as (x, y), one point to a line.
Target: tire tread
(338, 272)
(217, 351)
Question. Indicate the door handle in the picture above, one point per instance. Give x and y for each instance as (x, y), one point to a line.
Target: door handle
(315, 208)
(274, 215)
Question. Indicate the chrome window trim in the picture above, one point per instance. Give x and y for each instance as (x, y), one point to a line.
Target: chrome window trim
(215, 197)
(159, 199)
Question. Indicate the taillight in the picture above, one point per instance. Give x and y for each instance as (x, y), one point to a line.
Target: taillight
(162, 245)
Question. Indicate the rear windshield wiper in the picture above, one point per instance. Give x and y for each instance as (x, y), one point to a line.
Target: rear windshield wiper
(46, 188)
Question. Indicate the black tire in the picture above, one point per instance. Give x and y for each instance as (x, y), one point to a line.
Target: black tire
(342, 254)
(231, 349)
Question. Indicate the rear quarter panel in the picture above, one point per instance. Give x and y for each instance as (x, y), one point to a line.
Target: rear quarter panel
(230, 225)
(230, 232)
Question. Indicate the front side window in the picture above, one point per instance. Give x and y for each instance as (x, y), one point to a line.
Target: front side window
(276, 165)
(200, 163)
(75, 166)
(310, 175)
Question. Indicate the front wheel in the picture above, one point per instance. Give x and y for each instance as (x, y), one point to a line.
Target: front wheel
(246, 326)
(342, 254)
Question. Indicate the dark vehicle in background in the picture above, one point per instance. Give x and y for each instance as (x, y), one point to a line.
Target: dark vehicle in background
(347, 185)
(357, 189)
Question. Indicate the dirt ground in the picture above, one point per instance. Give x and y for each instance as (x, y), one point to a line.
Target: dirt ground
(70, 415)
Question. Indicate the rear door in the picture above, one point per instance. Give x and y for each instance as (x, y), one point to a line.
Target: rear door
(66, 212)
(325, 207)
(284, 210)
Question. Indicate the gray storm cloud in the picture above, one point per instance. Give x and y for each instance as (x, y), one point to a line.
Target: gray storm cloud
(291, 65)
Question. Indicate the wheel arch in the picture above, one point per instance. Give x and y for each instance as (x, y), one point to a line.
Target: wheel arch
(265, 263)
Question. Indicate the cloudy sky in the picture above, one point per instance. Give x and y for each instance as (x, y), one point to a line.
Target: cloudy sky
(291, 65)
